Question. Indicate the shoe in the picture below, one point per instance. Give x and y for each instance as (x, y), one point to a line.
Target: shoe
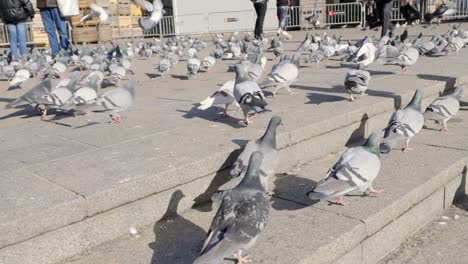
(286, 34)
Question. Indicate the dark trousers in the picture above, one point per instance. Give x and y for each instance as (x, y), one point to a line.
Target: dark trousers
(384, 11)
(260, 9)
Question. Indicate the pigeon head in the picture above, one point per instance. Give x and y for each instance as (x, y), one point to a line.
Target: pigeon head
(458, 91)
(270, 134)
(373, 142)
(252, 176)
(416, 101)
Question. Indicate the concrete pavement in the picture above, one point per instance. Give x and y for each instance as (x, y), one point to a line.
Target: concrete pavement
(88, 182)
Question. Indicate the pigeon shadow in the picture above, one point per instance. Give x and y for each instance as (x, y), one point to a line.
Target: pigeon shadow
(26, 112)
(460, 199)
(177, 240)
(203, 202)
(14, 87)
(342, 66)
(153, 75)
(316, 98)
(292, 188)
(7, 100)
(358, 136)
(213, 114)
(180, 77)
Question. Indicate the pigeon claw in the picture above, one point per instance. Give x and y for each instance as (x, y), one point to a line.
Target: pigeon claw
(375, 192)
(242, 259)
(342, 202)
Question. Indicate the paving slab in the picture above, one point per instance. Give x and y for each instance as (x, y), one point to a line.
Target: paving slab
(31, 206)
(309, 235)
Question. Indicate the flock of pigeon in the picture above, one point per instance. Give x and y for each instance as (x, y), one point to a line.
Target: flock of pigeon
(243, 202)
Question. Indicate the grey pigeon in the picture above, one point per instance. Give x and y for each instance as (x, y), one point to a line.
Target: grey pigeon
(404, 124)
(267, 146)
(148, 23)
(284, 74)
(145, 5)
(113, 101)
(207, 63)
(356, 169)
(193, 66)
(248, 94)
(444, 108)
(241, 217)
(406, 58)
(356, 82)
(30, 96)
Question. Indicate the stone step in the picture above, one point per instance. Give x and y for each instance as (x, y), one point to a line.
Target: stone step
(86, 186)
(418, 185)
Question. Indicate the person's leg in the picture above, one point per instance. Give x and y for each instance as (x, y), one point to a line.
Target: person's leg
(61, 28)
(257, 31)
(284, 17)
(261, 17)
(12, 34)
(49, 27)
(278, 14)
(21, 29)
(387, 15)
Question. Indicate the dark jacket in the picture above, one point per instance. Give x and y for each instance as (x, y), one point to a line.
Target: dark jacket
(282, 3)
(46, 4)
(16, 11)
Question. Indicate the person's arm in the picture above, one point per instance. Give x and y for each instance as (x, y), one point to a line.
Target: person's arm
(28, 7)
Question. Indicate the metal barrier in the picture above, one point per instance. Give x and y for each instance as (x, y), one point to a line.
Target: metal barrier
(5, 38)
(335, 14)
(166, 27)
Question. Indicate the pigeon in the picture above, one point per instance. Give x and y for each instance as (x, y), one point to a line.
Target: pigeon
(193, 66)
(248, 94)
(355, 170)
(284, 74)
(9, 72)
(95, 11)
(148, 23)
(145, 5)
(30, 96)
(366, 55)
(404, 124)
(207, 63)
(225, 96)
(267, 146)
(444, 108)
(357, 81)
(164, 66)
(113, 101)
(241, 217)
(406, 58)
(20, 77)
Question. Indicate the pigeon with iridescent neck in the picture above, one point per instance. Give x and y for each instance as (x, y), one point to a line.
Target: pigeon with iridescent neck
(404, 124)
(356, 169)
(242, 215)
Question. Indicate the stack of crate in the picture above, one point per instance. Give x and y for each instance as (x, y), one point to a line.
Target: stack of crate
(125, 15)
(39, 35)
(89, 31)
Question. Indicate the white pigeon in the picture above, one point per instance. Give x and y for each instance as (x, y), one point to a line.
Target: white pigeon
(20, 77)
(95, 11)
(145, 5)
(148, 23)
(224, 96)
(366, 55)
(355, 170)
(284, 74)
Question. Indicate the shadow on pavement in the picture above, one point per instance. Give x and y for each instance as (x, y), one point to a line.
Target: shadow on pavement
(203, 202)
(292, 188)
(213, 114)
(177, 240)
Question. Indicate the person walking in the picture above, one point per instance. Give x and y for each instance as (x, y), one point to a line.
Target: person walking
(15, 13)
(260, 8)
(384, 12)
(52, 20)
(282, 7)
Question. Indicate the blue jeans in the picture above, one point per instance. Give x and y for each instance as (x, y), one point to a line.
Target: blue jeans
(282, 13)
(51, 19)
(17, 35)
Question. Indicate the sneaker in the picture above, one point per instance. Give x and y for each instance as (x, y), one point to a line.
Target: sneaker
(286, 34)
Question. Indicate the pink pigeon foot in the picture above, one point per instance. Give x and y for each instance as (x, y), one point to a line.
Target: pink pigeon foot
(342, 202)
(406, 149)
(116, 119)
(242, 259)
(375, 192)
